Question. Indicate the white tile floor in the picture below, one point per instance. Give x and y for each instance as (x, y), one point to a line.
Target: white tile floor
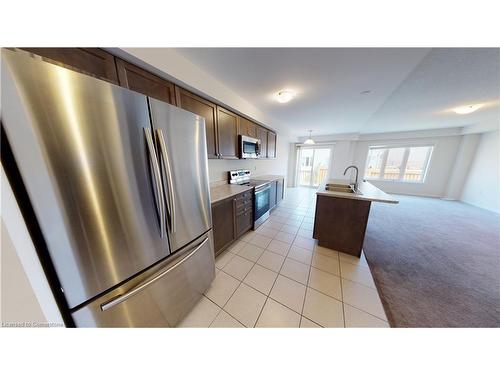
(278, 276)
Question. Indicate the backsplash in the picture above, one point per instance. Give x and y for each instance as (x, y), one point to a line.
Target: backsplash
(218, 169)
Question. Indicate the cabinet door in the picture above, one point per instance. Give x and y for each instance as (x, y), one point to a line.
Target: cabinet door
(223, 224)
(227, 133)
(137, 79)
(193, 103)
(244, 222)
(272, 194)
(280, 190)
(248, 128)
(271, 145)
(262, 135)
(92, 61)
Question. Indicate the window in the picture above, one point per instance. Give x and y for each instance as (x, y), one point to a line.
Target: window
(408, 164)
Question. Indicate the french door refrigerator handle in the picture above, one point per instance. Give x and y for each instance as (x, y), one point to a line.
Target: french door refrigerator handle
(167, 170)
(123, 297)
(156, 180)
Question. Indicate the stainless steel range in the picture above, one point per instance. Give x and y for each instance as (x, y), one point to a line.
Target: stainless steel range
(262, 190)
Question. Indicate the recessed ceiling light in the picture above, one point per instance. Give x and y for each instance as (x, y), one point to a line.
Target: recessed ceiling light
(466, 109)
(366, 92)
(284, 96)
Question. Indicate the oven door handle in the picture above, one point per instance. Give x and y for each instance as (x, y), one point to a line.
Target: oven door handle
(262, 188)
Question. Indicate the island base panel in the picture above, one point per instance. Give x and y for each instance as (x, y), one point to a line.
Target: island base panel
(340, 224)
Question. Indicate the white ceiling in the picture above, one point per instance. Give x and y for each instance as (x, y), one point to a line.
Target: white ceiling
(411, 88)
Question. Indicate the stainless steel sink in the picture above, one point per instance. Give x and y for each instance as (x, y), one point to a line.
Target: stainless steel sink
(338, 185)
(342, 188)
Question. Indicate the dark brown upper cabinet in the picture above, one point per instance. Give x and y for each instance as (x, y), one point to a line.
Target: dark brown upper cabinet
(271, 145)
(262, 135)
(248, 128)
(222, 125)
(140, 80)
(193, 103)
(227, 133)
(92, 61)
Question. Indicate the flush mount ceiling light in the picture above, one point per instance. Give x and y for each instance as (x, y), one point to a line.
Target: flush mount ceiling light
(284, 96)
(466, 109)
(309, 141)
(366, 92)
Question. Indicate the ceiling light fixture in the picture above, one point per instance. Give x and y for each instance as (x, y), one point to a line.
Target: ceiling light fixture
(309, 141)
(284, 96)
(366, 92)
(466, 109)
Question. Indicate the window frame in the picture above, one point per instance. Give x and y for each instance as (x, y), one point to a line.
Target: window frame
(404, 162)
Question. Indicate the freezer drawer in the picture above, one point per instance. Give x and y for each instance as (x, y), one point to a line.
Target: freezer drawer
(160, 297)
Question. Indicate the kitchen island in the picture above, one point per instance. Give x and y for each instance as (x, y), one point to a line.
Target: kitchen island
(342, 214)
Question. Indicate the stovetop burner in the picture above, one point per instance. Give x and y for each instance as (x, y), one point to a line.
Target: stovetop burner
(242, 177)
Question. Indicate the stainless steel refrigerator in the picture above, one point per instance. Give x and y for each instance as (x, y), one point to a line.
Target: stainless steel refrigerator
(119, 186)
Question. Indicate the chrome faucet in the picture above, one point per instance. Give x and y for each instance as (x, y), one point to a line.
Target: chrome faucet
(357, 173)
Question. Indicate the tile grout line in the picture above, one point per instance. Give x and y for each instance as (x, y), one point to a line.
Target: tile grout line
(278, 273)
(274, 283)
(341, 290)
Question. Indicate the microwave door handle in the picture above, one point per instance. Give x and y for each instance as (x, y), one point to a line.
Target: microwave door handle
(167, 171)
(156, 180)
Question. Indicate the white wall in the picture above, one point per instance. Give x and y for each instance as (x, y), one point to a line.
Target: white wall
(25, 293)
(19, 303)
(352, 149)
(482, 186)
(438, 173)
(218, 168)
(171, 65)
(461, 166)
(343, 154)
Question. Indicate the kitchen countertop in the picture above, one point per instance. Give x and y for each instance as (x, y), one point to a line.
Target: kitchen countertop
(269, 177)
(221, 192)
(369, 192)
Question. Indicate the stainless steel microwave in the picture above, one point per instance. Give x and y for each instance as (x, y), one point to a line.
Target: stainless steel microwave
(249, 147)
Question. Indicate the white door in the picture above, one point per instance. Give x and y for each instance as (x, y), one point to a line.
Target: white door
(313, 165)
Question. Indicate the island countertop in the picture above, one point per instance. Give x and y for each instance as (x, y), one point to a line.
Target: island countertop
(368, 191)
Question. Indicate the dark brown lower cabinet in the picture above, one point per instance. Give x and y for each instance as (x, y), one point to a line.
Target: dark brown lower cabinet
(243, 213)
(231, 218)
(223, 224)
(272, 194)
(280, 190)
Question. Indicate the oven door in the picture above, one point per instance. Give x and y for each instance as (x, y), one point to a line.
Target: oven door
(249, 147)
(262, 204)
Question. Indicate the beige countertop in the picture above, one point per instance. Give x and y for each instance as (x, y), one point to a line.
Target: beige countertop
(269, 177)
(221, 192)
(368, 192)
